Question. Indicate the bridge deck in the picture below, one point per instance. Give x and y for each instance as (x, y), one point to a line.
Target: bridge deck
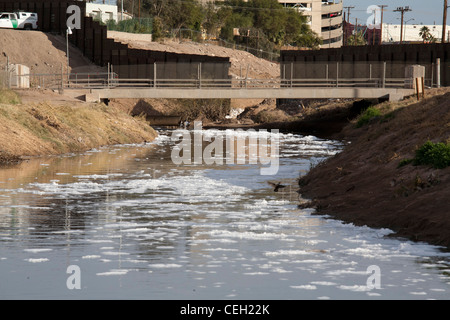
(392, 94)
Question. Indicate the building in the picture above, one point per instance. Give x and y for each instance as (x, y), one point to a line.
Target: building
(391, 32)
(102, 12)
(324, 17)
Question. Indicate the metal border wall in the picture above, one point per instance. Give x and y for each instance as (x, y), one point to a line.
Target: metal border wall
(92, 39)
(406, 54)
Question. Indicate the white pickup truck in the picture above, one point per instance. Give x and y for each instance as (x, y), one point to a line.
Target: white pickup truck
(19, 20)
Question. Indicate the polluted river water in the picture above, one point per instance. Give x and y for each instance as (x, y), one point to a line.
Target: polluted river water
(129, 222)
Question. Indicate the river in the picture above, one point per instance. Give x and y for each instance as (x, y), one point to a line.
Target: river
(127, 222)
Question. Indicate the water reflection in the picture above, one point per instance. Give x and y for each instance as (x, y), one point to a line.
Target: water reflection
(139, 226)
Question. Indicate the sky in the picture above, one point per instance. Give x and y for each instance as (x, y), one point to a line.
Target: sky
(423, 12)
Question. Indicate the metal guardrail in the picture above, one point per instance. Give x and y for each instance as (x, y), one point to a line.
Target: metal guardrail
(111, 80)
(234, 84)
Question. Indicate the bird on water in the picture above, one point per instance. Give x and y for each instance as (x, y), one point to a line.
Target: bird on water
(277, 186)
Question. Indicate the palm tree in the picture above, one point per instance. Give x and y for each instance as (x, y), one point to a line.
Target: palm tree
(426, 35)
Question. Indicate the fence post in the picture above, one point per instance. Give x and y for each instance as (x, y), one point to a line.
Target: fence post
(62, 77)
(292, 72)
(246, 77)
(199, 74)
(337, 74)
(108, 74)
(383, 79)
(432, 75)
(438, 72)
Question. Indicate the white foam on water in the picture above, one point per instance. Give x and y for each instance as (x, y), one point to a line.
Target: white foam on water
(287, 253)
(356, 288)
(37, 260)
(113, 272)
(165, 265)
(37, 250)
(91, 256)
(305, 287)
(245, 235)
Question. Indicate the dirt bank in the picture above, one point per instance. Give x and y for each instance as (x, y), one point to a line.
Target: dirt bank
(43, 53)
(364, 184)
(47, 127)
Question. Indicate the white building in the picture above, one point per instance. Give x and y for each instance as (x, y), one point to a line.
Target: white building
(103, 12)
(391, 32)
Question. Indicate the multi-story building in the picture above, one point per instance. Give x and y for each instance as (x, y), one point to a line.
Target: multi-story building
(324, 17)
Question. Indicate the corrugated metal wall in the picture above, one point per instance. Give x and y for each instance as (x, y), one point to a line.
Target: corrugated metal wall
(396, 56)
(92, 40)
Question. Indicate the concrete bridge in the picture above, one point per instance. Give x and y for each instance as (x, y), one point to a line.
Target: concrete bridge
(254, 89)
(392, 94)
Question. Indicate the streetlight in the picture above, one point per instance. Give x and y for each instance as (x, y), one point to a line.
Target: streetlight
(68, 32)
(404, 35)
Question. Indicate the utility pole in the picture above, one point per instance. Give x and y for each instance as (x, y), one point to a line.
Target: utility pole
(402, 10)
(444, 23)
(381, 26)
(347, 24)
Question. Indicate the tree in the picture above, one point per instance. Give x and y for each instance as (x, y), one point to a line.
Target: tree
(357, 39)
(267, 20)
(278, 24)
(426, 35)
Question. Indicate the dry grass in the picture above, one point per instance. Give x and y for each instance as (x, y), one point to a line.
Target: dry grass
(45, 128)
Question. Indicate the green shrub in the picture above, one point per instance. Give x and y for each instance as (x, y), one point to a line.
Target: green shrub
(368, 115)
(434, 154)
(404, 162)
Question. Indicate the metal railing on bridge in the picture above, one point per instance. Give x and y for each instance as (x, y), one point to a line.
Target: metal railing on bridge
(210, 76)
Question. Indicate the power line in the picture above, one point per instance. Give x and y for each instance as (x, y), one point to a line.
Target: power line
(402, 10)
(346, 25)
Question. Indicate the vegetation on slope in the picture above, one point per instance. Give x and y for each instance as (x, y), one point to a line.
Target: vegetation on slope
(48, 128)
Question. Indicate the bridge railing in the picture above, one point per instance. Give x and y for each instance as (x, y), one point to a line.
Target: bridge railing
(235, 84)
(105, 81)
